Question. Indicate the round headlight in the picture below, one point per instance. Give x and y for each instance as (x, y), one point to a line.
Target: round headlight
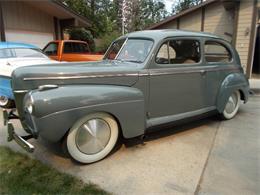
(29, 104)
(29, 108)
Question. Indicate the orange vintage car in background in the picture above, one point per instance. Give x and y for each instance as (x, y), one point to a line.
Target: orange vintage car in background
(70, 51)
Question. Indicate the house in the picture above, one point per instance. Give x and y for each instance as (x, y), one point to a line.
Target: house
(37, 22)
(237, 21)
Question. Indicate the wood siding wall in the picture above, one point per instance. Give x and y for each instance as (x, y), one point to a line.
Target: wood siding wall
(244, 30)
(219, 21)
(170, 25)
(191, 21)
(222, 22)
(21, 16)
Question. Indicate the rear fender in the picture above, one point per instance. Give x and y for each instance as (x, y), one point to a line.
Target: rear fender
(233, 82)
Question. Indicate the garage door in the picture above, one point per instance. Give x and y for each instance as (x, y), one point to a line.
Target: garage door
(35, 38)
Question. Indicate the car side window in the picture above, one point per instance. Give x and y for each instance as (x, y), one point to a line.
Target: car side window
(68, 47)
(183, 51)
(83, 48)
(217, 52)
(162, 56)
(51, 49)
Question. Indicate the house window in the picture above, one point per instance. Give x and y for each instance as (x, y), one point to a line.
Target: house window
(216, 52)
(179, 51)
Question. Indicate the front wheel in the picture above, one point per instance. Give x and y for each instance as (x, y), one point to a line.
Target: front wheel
(92, 137)
(5, 102)
(232, 106)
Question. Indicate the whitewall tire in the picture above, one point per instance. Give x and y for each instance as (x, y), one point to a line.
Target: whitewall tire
(92, 137)
(232, 106)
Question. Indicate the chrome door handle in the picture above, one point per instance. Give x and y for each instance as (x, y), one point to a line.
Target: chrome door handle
(203, 72)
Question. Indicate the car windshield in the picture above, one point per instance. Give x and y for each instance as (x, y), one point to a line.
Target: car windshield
(21, 53)
(130, 50)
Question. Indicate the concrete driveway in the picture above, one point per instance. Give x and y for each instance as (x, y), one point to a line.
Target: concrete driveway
(204, 157)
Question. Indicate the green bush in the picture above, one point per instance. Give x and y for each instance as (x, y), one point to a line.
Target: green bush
(83, 35)
(106, 40)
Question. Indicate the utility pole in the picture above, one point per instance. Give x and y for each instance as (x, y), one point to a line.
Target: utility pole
(123, 16)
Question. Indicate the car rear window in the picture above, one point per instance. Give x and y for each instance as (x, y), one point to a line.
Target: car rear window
(71, 47)
(28, 53)
(21, 53)
(217, 52)
(6, 53)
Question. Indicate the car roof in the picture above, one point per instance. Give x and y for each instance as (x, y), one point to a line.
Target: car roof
(77, 41)
(164, 33)
(5, 45)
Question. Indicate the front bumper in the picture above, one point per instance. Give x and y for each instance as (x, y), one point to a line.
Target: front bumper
(21, 140)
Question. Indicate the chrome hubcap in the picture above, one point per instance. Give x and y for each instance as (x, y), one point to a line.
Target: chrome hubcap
(232, 103)
(3, 100)
(93, 136)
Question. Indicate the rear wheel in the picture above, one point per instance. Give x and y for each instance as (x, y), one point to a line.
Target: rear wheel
(232, 106)
(92, 137)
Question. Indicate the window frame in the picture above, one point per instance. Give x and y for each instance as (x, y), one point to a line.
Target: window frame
(222, 43)
(198, 39)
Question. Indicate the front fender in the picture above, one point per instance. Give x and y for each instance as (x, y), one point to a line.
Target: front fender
(56, 110)
(233, 82)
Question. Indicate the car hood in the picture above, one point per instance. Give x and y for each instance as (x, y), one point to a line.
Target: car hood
(10, 64)
(101, 72)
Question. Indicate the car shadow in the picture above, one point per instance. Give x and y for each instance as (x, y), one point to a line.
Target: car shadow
(169, 130)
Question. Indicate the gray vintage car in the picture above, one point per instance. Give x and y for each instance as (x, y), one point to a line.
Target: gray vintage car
(146, 79)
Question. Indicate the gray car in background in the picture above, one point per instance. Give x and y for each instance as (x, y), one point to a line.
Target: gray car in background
(146, 79)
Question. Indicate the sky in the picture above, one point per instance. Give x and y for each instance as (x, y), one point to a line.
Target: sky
(168, 4)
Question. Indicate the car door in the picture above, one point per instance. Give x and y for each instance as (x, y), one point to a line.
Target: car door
(177, 80)
(220, 62)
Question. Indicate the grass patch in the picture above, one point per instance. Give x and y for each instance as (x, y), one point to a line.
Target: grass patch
(20, 174)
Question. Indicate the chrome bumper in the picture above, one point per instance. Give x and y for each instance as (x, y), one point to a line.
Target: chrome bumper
(21, 140)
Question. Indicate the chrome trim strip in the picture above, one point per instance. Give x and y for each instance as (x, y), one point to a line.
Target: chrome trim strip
(171, 118)
(47, 87)
(80, 76)
(186, 70)
(21, 91)
(153, 72)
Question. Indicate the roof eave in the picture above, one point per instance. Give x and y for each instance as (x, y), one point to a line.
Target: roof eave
(82, 19)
